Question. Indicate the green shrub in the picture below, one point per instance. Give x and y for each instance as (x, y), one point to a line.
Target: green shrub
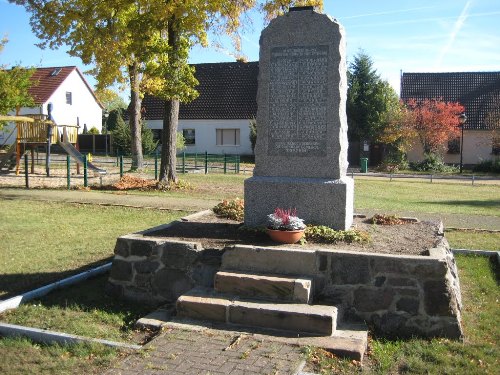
(325, 234)
(488, 166)
(122, 138)
(393, 161)
(432, 163)
(93, 130)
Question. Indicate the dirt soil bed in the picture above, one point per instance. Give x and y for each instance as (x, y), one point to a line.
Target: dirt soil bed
(410, 238)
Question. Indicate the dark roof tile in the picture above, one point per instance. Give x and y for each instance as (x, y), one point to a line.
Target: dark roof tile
(227, 91)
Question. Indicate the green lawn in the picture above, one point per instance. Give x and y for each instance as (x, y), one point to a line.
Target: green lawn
(421, 196)
(83, 310)
(473, 240)
(442, 196)
(41, 242)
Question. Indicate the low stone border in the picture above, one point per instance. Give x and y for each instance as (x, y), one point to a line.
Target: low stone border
(488, 253)
(48, 337)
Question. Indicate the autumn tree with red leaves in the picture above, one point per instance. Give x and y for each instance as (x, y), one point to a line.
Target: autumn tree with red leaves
(435, 122)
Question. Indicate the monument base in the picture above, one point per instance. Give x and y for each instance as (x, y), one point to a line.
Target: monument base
(318, 201)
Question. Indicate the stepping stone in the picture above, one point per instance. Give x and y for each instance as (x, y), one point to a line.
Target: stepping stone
(264, 286)
(205, 304)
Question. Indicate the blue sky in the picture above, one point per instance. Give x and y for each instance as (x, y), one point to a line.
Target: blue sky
(413, 36)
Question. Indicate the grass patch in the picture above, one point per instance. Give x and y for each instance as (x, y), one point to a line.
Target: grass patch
(478, 354)
(475, 240)
(82, 309)
(442, 196)
(418, 196)
(43, 242)
(21, 356)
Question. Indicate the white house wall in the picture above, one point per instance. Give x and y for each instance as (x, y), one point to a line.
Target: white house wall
(84, 108)
(477, 147)
(205, 135)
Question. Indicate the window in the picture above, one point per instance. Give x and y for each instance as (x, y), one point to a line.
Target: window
(228, 137)
(454, 146)
(189, 136)
(69, 99)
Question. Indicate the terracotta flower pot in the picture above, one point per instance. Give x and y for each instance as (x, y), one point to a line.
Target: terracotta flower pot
(285, 236)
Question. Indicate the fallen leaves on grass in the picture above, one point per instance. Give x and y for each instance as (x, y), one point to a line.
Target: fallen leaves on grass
(328, 363)
(130, 182)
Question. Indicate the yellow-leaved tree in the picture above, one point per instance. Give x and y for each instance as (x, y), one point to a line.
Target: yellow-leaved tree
(146, 44)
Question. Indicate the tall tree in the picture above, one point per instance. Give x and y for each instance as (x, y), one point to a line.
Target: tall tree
(435, 122)
(14, 85)
(114, 36)
(369, 98)
(186, 22)
(110, 99)
(398, 132)
(141, 41)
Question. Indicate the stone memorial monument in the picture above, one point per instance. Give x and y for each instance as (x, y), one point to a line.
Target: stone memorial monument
(301, 150)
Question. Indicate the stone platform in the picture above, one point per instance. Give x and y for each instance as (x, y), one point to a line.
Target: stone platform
(318, 201)
(402, 295)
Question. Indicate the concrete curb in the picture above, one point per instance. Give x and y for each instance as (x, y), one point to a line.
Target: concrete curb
(488, 253)
(46, 336)
(14, 302)
(473, 230)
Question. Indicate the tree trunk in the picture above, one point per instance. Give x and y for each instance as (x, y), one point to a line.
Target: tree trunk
(135, 118)
(170, 121)
(168, 142)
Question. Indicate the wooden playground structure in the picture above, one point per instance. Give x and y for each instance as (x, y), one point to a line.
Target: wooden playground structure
(34, 131)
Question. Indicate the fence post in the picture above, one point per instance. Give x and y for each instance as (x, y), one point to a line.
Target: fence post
(472, 180)
(85, 181)
(68, 171)
(431, 178)
(206, 162)
(184, 162)
(156, 164)
(237, 169)
(225, 163)
(196, 161)
(26, 174)
(121, 165)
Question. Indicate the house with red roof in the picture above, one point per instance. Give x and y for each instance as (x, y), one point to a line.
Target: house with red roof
(73, 100)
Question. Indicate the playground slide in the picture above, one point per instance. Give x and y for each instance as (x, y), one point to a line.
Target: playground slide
(75, 154)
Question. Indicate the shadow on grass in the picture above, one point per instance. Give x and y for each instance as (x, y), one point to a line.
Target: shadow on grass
(488, 203)
(18, 283)
(90, 295)
(495, 268)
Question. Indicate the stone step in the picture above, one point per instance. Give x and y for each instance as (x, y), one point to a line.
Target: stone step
(264, 286)
(253, 259)
(206, 304)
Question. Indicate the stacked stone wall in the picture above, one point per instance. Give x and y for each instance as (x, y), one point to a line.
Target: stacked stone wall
(396, 295)
(156, 271)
